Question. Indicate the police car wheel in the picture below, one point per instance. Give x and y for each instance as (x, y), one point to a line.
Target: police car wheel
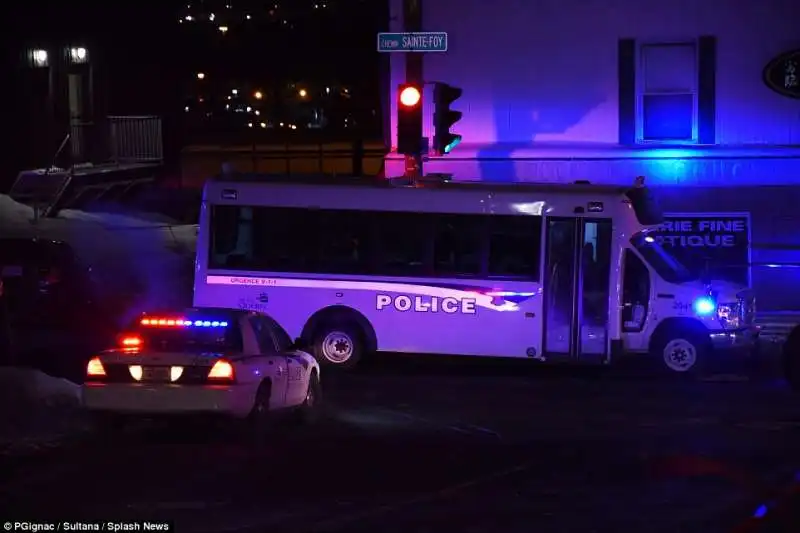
(682, 352)
(310, 410)
(260, 412)
(338, 345)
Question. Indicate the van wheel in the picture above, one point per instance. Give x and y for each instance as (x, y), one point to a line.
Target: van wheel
(682, 351)
(791, 362)
(338, 345)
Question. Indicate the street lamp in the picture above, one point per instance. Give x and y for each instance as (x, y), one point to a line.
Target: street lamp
(78, 55)
(258, 95)
(39, 58)
(201, 75)
(303, 93)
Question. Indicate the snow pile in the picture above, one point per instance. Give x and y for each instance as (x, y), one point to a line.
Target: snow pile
(139, 254)
(40, 411)
(25, 386)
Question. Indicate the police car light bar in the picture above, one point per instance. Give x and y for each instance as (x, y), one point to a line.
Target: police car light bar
(182, 322)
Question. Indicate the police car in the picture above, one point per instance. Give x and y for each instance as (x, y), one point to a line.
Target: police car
(239, 364)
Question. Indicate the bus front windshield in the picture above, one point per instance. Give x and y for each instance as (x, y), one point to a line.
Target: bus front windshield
(667, 266)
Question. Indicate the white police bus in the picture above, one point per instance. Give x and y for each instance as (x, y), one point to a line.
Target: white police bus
(546, 272)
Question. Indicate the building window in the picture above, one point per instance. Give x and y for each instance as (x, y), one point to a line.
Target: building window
(668, 93)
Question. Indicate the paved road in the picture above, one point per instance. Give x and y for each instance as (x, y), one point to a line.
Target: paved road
(419, 447)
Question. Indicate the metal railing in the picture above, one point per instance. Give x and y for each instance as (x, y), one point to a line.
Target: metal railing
(136, 139)
(117, 139)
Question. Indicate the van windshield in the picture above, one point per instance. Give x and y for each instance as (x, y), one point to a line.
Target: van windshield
(665, 265)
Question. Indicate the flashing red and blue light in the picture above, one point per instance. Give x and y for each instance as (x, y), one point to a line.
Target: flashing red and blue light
(183, 322)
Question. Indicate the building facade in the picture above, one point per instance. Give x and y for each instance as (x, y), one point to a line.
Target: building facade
(608, 90)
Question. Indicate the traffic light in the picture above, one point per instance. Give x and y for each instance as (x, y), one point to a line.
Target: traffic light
(445, 118)
(409, 119)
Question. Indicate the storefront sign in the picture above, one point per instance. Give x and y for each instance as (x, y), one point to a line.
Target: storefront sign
(718, 243)
(782, 74)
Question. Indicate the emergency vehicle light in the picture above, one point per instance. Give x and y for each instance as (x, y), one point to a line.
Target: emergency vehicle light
(95, 368)
(704, 306)
(130, 341)
(221, 371)
(182, 322)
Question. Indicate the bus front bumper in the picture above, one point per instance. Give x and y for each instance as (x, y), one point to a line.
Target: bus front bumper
(739, 340)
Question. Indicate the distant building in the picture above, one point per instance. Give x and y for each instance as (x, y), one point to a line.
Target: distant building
(565, 90)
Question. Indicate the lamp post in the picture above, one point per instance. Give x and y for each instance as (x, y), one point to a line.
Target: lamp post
(80, 103)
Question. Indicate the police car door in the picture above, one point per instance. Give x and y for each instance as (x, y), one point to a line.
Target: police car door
(297, 375)
(577, 288)
(273, 361)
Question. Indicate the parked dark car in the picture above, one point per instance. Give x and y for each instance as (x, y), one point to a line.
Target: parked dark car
(51, 304)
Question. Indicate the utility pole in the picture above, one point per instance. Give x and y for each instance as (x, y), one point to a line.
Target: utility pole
(412, 22)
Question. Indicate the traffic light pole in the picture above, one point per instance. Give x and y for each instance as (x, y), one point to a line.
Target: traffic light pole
(412, 22)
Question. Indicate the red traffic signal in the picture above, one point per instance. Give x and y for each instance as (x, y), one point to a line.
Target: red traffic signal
(409, 119)
(410, 96)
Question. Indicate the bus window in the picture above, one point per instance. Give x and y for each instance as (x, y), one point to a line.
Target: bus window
(345, 241)
(405, 249)
(458, 245)
(285, 239)
(515, 247)
(231, 236)
(667, 266)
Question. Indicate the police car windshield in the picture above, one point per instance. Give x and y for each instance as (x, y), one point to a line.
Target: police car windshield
(665, 265)
(191, 339)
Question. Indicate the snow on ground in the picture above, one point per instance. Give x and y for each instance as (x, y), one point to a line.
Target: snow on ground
(146, 253)
(28, 386)
(126, 252)
(39, 411)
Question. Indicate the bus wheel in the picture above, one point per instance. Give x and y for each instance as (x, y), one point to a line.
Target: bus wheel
(682, 351)
(338, 345)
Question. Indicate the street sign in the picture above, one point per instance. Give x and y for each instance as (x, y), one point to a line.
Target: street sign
(433, 41)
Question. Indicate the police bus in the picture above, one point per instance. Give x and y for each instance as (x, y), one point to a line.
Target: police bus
(566, 272)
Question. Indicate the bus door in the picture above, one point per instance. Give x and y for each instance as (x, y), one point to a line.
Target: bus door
(577, 287)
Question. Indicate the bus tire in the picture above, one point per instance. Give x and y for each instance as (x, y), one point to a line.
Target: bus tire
(681, 349)
(790, 359)
(338, 344)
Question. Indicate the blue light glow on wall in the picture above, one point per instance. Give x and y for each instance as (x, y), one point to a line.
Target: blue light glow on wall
(668, 117)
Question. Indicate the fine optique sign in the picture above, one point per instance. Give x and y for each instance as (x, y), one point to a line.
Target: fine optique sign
(718, 243)
(782, 74)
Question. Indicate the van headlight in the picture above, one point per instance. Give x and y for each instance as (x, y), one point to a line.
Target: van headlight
(728, 315)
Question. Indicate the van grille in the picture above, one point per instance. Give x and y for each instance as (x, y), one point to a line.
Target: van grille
(746, 309)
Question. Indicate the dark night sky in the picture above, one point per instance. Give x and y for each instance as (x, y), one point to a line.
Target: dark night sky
(145, 60)
(144, 39)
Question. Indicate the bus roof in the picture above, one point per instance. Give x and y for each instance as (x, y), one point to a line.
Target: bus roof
(427, 182)
(432, 194)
